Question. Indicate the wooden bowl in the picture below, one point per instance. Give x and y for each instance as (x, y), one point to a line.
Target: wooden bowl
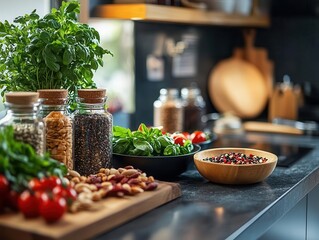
(234, 173)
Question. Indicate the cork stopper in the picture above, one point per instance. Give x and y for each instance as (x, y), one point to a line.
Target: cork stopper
(53, 96)
(22, 98)
(92, 95)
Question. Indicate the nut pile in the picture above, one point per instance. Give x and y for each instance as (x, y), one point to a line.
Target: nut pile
(236, 158)
(108, 182)
(59, 137)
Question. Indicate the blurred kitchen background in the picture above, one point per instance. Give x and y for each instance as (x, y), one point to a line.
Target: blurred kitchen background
(150, 55)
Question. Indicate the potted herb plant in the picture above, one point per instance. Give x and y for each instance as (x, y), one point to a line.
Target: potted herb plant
(52, 52)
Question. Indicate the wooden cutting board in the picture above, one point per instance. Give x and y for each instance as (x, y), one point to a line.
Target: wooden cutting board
(238, 87)
(111, 213)
(267, 127)
(258, 57)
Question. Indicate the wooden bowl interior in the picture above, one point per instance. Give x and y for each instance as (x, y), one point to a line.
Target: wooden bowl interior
(231, 173)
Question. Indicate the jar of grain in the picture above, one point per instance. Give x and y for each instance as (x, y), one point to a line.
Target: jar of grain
(23, 115)
(58, 125)
(168, 111)
(92, 132)
(194, 109)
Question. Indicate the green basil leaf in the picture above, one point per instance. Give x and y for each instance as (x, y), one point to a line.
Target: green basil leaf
(165, 140)
(121, 145)
(67, 57)
(170, 150)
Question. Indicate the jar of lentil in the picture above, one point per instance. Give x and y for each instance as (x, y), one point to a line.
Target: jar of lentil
(168, 111)
(92, 126)
(58, 125)
(194, 109)
(23, 115)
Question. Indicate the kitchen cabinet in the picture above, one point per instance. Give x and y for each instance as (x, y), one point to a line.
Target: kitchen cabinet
(301, 219)
(171, 14)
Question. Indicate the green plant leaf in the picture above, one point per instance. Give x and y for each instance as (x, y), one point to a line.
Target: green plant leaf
(67, 56)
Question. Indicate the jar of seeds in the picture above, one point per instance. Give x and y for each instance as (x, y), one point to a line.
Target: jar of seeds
(92, 132)
(168, 111)
(23, 115)
(194, 109)
(58, 125)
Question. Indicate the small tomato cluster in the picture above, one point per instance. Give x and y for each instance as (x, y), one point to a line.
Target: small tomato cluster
(195, 137)
(47, 197)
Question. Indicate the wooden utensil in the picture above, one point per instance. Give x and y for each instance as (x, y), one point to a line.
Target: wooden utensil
(283, 103)
(267, 127)
(256, 56)
(237, 86)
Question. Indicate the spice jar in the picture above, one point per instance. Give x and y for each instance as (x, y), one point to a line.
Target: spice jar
(23, 115)
(92, 132)
(194, 108)
(168, 111)
(58, 124)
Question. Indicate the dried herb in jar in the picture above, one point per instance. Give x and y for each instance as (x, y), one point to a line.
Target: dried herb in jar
(92, 132)
(22, 115)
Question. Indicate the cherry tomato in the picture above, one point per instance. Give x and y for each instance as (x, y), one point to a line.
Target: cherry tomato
(4, 186)
(29, 204)
(35, 185)
(198, 137)
(179, 138)
(187, 135)
(12, 200)
(67, 192)
(52, 207)
(48, 183)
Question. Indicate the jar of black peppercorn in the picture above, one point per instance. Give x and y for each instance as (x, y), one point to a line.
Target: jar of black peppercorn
(58, 125)
(194, 109)
(92, 126)
(23, 115)
(168, 111)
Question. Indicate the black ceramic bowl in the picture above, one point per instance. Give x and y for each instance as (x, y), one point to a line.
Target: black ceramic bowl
(160, 167)
(207, 144)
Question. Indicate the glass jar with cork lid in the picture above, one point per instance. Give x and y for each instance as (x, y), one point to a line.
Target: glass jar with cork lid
(168, 111)
(194, 108)
(58, 125)
(92, 132)
(23, 115)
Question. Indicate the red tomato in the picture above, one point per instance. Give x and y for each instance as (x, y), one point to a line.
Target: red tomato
(67, 192)
(198, 137)
(187, 135)
(4, 186)
(48, 183)
(35, 185)
(12, 200)
(179, 138)
(52, 208)
(29, 204)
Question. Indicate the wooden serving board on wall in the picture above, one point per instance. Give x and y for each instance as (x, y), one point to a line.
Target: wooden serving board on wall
(111, 213)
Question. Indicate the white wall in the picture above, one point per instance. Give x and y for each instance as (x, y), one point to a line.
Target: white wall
(10, 9)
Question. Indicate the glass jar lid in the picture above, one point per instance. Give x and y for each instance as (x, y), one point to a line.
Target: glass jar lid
(92, 95)
(22, 98)
(53, 96)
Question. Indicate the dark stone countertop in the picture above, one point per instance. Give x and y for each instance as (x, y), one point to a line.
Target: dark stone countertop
(213, 211)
